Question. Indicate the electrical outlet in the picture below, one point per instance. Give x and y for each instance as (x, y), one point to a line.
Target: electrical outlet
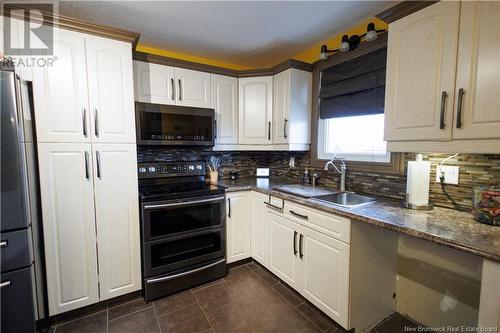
(450, 174)
(292, 162)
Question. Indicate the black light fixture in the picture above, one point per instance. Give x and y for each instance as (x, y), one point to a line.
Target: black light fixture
(352, 42)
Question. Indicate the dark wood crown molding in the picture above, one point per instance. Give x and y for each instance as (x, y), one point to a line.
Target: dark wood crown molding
(167, 61)
(69, 23)
(402, 9)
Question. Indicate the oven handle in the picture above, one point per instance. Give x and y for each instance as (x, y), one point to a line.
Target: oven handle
(171, 277)
(185, 203)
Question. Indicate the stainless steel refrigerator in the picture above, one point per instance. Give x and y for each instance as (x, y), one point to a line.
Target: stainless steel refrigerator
(23, 301)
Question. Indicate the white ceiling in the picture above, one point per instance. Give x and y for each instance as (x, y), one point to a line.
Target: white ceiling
(249, 33)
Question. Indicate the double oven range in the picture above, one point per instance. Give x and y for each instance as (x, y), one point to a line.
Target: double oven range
(183, 227)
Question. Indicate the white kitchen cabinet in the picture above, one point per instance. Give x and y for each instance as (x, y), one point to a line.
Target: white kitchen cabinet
(111, 92)
(292, 110)
(238, 225)
(117, 218)
(259, 244)
(225, 102)
(161, 84)
(67, 198)
(284, 254)
(193, 88)
(154, 83)
(255, 110)
(478, 72)
(61, 92)
(326, 274)
(421, 67)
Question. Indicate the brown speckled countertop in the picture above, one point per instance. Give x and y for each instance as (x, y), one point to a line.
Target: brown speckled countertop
(443, 226)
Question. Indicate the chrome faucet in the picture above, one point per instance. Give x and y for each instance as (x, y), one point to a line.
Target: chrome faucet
(341, 171)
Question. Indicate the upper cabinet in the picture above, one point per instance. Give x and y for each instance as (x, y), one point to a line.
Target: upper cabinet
(477, 93)
(420, 82)
(292, 109)
(443, 79)
(193, 88)
(111, 94)
(225, 103)
(255, 107)
(161, 84)
(68, 108)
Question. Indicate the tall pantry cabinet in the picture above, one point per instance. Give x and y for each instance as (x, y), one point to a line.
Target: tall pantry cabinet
(84, 110)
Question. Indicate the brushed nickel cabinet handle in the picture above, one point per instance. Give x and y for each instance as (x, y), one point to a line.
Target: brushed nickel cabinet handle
(87, 165)
(295, 243)
(229, 207)
(269, 130)
(215, 129)
(301, 249)
(180, 90)
(96, 122)
(461, 93)
(98, 162)
(444, 94)
(284, 128)
(173, 88)
(84, 120)
(305, 217)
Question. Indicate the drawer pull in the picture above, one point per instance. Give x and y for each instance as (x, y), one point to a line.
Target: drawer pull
(3, 244)
(295, 243)
(305, 217)
(270, 205)
(5, 284)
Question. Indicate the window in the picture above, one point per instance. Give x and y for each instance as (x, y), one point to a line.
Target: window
(356, 138)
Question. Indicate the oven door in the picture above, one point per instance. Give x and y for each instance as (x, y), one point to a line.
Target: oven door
(166, 219)
(163, 256)
(174, 125)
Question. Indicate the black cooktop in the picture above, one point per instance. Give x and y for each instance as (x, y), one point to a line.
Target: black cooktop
(172, 180)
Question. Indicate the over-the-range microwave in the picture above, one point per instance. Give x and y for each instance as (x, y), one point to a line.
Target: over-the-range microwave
(158, 124)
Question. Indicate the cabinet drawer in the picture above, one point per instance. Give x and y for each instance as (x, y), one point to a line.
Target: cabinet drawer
(16, 249)
(329, 224)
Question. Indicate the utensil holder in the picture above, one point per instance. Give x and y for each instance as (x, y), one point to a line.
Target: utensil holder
(214, 176)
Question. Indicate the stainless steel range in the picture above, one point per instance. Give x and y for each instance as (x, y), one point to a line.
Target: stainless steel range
(183, 227)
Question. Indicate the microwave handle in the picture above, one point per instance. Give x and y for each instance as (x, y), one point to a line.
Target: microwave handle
(185, 203)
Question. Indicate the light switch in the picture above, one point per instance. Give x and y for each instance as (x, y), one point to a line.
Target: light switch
(450, 174)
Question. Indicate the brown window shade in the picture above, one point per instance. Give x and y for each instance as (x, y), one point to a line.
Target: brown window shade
(355, 87)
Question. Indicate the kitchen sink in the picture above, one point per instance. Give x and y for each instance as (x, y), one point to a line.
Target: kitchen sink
(345, 199)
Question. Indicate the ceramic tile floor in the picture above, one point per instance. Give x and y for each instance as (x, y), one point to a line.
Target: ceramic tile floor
(249, 299)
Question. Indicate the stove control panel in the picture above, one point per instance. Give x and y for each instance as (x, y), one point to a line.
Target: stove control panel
(170, 169)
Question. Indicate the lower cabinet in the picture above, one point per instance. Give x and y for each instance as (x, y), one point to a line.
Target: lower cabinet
(259, 238)
(90, 222)
(238, 225)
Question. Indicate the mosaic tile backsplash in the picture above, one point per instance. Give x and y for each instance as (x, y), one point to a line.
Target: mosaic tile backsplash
(475, 169)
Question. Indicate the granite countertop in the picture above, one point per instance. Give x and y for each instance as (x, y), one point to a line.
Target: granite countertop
(443, 226)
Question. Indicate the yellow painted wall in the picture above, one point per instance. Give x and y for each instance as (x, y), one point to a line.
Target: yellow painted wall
(188, 57)
(312, 54)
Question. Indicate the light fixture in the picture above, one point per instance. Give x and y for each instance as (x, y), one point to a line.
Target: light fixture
(350, 43)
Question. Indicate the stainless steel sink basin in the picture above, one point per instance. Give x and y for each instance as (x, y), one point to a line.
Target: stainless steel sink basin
(345, 199)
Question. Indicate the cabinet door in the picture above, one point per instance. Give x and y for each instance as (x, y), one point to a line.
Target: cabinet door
(326, 274)
(238, 226)
(154, 83)
(193, 88)
(255, 111)
(420, 82)
(281, 107)
(111, 92)
(117, 218)
(68, 225)
(225, 103)
(61, 93)
(284, 249)
(478, 72)
(259, 229)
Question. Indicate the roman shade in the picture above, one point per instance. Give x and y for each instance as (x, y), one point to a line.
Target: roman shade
(355, 87)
